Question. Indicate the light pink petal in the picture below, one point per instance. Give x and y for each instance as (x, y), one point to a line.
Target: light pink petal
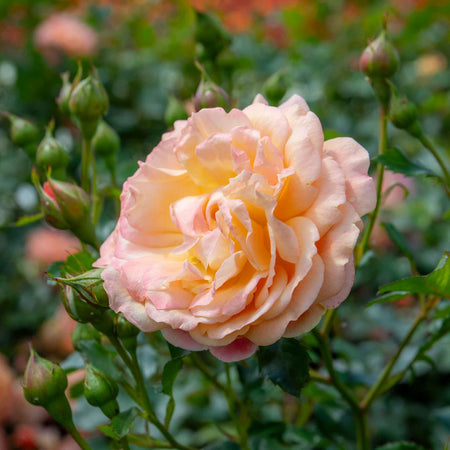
(295, 101)
(336, 251)
(215, 120)
(107, 250)
(121, 301)
(188, 214)
(354, 160)
(260, 99)
(324, 212)
(182, 339)
(236, 351)
(270, 122)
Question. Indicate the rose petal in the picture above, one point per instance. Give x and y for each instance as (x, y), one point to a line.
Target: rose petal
(236, 351)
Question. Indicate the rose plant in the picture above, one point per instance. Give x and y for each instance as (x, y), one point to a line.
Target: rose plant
(236, 235)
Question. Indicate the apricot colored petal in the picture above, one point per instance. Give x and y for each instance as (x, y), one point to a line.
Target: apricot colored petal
(188, 214)
(215, 120)
(354, 160)
(306, 322)
(295, 101)
(270, 122)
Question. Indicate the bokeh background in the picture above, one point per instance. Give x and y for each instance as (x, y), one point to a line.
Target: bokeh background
(145, 53)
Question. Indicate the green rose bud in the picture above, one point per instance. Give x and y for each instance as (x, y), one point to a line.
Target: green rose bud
(275, 87)
(51, 153)
(106, 144)
(209, 95)
(43, 380)
(380, 58)
(44, 384)
(23, 133)
(101, 391)
(403, 114)
(64, 94)
(88, 104)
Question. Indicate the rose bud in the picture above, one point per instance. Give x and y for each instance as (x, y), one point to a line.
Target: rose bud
(23, 133)
(127, 333)
(84, 332)
(88, 103)
(380, 58)
(209, 95)
(64, 94)
(275, 87)
(51, 153)
(210, 34)
(101, 391)
(175, 111)
(106, 144)
(403, 114)
(43, 380)
(72, 205)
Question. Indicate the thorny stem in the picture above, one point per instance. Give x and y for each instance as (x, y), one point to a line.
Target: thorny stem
(362, 247)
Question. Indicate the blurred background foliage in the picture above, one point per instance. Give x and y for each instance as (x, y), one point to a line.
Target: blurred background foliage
(145, 53)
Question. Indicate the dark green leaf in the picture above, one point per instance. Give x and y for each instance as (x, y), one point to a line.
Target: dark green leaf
(443, 330)
(401, 446)
(286, 364)
(387, 298)
(108, 431)
(170, 408)
(123, 422)
(78, 263)
(169, 374)
(398, 162)
(399, 240)
(101, 357)
(177, 352)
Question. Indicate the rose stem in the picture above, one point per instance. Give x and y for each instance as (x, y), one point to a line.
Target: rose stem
(380, 171)
(133, 365)
(362, 431)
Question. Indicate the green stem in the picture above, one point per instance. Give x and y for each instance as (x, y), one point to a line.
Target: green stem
(143, 441)
(328, 321)
(240, 423)
(78, 438)
(378, 386)
(361, 249)
(362, 430)
(133, 365)
(85, 164)
(429, 146)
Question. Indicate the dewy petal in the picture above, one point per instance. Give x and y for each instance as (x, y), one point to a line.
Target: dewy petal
(270, 122)
(182, 339)
(354, 160)
(239, 349)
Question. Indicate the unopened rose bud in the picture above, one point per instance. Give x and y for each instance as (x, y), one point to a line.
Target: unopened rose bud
(209, 95)
(44, 384)
(127, 333)
(84, 332)
(403, 114)
(43, 380)
(73, 205)
(51, 153)
(175, 111)
(23, 133)
(106, 144)
(380, 58)
(64, 94)
(88, 104)
(275, 87)
(101, 391)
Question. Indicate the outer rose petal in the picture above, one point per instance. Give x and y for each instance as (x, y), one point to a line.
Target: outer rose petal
(182, 339)
(239, 349)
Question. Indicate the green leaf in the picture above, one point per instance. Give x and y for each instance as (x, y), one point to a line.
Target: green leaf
(122, 423)
(435, 283)
(85, 279)
(78, 263)
(388, 298)
(169, 374)
(101, 357)
(108, 431)
(398, 239)
(286, 364)
(401, 445)
(26, 220)
(177, 352)
(395, 160)
(442, 331)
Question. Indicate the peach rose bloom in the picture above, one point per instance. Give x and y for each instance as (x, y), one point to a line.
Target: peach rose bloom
(238, 229)
(66, 33)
